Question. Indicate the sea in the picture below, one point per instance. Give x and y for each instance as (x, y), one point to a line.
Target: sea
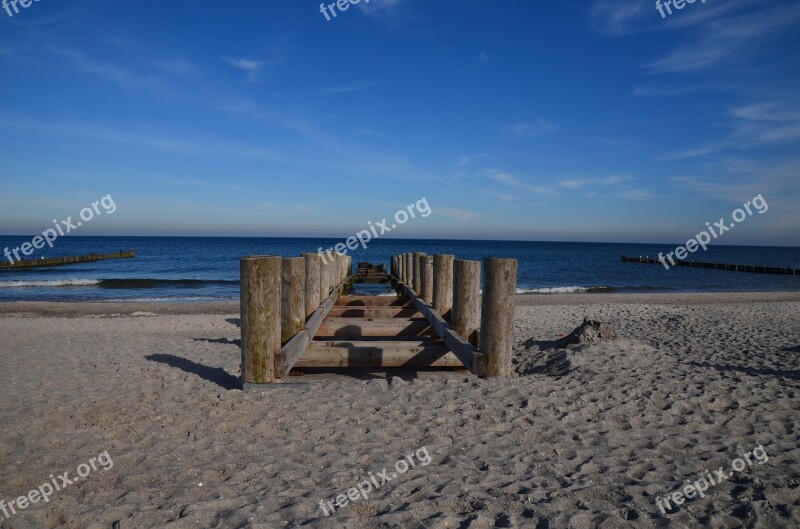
(192, 269)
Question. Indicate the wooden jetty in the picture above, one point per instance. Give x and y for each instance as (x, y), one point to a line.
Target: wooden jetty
(295, 314)
(67, 260)
(370, 273)
(717, 266)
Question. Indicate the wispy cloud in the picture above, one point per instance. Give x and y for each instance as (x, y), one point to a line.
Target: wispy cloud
(249, 66)
(110, 71)
(730, 38)
(353, 87)
(484, 57)
(371, 133)
(611, 180)
(463, 215)
(537, 128)
(515, 182)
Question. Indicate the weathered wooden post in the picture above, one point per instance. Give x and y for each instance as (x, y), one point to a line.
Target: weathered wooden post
(313, 262)
(466, 315)
(417, 260)
(409, 269)
(497, 315)
(402, 260)
(293, 297)
(260, 311)
(443, 284)
(426, 282)
(323, 277)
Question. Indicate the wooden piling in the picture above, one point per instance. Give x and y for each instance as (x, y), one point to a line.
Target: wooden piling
(312, 264)
(426, 281)
(409, 269)
(293, 297)
(260, 310)
(497, 315)
(417, 263)
(466, 316)
(324, 289)
(443, 284)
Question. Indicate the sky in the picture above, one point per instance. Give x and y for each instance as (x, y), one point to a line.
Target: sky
(514, 119)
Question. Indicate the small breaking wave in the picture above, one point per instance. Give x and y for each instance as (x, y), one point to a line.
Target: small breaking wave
(565, 290)
(50, 283)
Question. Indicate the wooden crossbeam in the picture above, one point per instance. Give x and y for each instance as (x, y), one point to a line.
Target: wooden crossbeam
(294, 348)
(355, 327)
(469, 355)
(349, 353)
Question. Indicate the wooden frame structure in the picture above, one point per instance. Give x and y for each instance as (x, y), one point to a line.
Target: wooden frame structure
(294, 315)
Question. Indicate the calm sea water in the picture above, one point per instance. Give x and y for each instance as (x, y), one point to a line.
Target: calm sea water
(207, 268)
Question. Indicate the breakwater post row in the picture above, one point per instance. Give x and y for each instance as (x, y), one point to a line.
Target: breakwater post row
(719, 266)
(283, 303)
(67, 260)
(477, 328)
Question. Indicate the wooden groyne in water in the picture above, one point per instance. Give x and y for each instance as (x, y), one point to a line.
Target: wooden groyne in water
(789, 271)
(295, 314)
(67, 260)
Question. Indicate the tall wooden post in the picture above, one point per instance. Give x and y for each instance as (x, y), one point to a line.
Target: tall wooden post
(497, 315)
(466, 315)
(260, 310)
(417, 260)
(293, 297)
(324, 287)
(313, 263)
(426, 282)
(443, 284)
(409, 269)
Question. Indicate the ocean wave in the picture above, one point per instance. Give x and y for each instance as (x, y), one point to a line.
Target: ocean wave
(50, 283)
(118, 283)
(165, 299)
(564, 290)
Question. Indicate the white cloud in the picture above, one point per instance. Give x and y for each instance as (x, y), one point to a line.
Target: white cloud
(517, 183)
(537, 128)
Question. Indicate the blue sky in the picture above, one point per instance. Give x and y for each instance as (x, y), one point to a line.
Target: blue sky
(559, 120)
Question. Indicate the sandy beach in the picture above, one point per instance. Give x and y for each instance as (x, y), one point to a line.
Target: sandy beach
(583, 437)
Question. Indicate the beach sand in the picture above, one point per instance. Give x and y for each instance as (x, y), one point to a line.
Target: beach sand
(582, 437)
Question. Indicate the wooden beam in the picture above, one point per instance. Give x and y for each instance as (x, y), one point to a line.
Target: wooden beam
(348, 353)
(469, 355)
(355, 327)
(370, 301)
(388, 311)
(294, 348)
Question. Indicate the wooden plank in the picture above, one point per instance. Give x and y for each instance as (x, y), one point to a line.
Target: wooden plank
(355, 327)
(294, 348)
(370, 301)
(378, 354)
(375, 312)
(469, 355)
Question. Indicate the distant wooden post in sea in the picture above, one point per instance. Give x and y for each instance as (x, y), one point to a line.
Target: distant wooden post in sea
(779, 270)
(66, 260)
